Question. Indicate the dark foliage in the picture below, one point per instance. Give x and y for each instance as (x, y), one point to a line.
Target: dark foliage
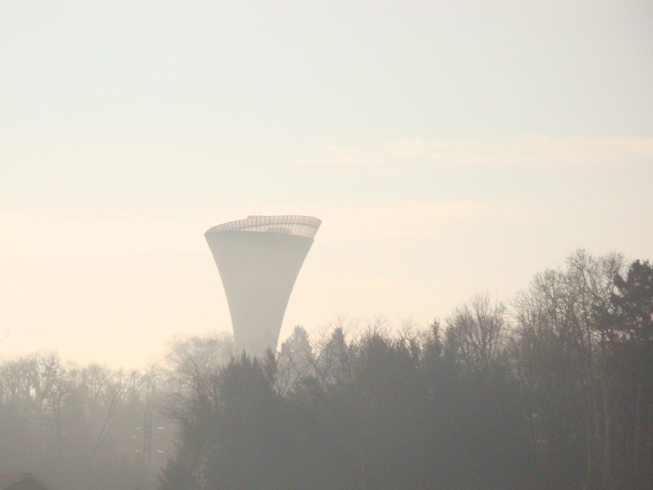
(405, 418)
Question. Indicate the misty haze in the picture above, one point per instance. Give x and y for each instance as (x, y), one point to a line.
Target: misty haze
(326, 245)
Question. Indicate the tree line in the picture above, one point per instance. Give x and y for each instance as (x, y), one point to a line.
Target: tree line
(551, 390)
(92, 427)
(555, 391)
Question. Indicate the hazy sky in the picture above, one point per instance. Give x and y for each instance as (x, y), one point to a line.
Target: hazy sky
(449, 148)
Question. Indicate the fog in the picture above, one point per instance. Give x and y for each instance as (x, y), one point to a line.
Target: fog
(454, 151)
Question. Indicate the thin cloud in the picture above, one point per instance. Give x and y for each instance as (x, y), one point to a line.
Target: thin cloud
(528, 150)
(52, 235)
(408, 219)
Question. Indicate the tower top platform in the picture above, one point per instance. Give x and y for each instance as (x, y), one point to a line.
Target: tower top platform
(304, 226)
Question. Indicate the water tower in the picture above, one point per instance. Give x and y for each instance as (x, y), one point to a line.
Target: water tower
(259, 259)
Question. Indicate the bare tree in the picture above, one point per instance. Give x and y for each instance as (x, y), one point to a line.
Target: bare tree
(294, 361)
(564, 341)
(188, 362)
(477, 328)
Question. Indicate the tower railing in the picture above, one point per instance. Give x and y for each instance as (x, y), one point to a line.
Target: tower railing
(305, 226)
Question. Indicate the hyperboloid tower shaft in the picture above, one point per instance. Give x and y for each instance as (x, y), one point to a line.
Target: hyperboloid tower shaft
(259, 259)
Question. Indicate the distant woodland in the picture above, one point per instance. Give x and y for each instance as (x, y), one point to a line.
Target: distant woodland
(551, 390)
